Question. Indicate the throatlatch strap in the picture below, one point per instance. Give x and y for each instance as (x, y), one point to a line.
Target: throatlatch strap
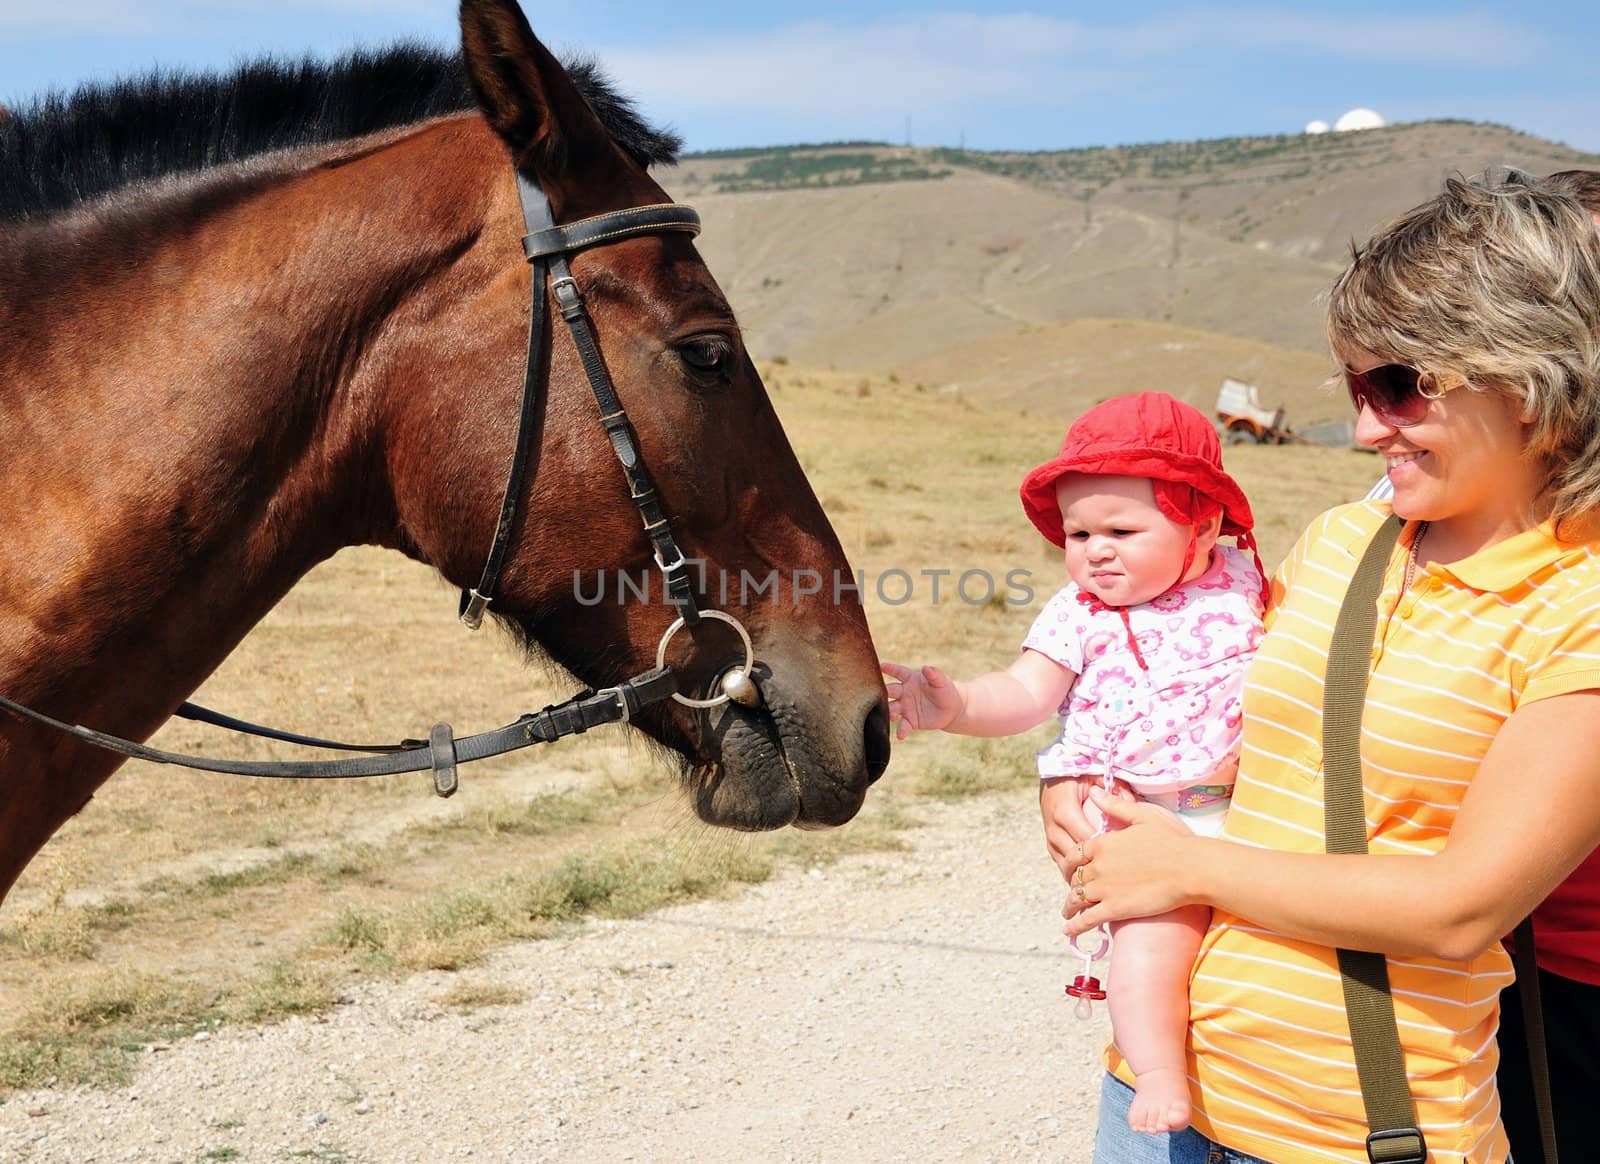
(197, 714)
(1393, 1136)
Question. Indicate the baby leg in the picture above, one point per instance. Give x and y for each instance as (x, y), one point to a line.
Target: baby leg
(1149, 998)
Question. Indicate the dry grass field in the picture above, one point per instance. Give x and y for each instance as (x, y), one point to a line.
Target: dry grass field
(180, 900)
(927, 337)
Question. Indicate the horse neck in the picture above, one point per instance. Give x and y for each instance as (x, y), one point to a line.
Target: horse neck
(187, 408)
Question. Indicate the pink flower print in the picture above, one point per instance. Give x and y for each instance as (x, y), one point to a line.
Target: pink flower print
(1149, 641)
(1113, 700)
(1097, 643)
(1201, 633)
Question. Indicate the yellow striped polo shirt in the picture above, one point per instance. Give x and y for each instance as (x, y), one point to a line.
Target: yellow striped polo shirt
(1270, 1063)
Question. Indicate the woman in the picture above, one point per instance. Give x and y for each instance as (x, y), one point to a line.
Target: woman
(1469, 331)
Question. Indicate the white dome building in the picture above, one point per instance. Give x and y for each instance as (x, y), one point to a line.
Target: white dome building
(1318, 126)
(1358, 119)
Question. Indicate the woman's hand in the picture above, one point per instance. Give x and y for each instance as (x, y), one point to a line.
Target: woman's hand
(1144, 866)
(925, 700)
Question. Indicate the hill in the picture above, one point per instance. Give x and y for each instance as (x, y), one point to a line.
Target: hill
(872, 275)
(1000, 272)
(1304, 195)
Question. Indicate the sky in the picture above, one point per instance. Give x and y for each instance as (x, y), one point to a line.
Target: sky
(1009, 75)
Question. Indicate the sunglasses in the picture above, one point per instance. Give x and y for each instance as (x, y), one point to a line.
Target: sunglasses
(1397, 395)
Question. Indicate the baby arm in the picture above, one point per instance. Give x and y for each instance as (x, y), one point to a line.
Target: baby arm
(1001, 703)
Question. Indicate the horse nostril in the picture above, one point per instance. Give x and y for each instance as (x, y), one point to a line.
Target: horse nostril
(876, 743)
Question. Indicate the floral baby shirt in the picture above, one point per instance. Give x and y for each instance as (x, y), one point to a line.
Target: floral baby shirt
(1176, 724)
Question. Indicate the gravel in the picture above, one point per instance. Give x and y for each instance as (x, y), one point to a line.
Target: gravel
(893, 1006)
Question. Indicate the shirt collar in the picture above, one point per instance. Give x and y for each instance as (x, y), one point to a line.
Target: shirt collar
(1509, 564)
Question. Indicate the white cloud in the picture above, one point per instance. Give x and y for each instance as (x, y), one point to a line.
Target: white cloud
(977, 60)
(165, 17)
(1470, 40)
(974, 47)
(828, 69)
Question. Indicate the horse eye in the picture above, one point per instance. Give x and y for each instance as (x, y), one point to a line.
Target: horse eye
(708, 353)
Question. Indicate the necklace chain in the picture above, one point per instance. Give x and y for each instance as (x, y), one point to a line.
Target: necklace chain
(1411, 558)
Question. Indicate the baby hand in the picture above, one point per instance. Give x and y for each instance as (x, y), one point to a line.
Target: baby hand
(924, 700)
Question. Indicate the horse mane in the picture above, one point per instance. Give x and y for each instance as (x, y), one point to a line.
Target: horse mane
(64, 150)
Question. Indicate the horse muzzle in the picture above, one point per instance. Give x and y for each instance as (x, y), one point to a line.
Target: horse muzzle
(778, 764)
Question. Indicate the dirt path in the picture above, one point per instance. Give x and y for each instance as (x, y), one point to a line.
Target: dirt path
(901, 1006)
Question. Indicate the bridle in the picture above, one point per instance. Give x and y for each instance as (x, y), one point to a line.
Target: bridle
(546, 247)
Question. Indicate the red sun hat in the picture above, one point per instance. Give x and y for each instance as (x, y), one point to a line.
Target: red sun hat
(1148, 435)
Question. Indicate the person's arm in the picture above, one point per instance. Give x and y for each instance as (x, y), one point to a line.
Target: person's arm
(1023, 696)
(1531, 815)
(1001, 703)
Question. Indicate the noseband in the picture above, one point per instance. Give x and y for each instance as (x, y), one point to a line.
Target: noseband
(546, 246)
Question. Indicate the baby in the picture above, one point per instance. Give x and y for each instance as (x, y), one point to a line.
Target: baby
(1142, 657)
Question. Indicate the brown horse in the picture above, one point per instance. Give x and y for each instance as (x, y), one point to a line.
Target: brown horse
(211, 381)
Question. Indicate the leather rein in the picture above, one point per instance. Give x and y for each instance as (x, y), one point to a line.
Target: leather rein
(546, 247)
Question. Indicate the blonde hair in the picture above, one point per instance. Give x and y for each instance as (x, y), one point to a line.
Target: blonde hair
(1584, 185)
(1495, 281)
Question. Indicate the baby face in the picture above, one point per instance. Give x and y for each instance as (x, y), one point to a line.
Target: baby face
(1120, 547)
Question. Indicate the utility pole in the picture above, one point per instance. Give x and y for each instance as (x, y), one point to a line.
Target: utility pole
(1177, 252)
(1177, 217)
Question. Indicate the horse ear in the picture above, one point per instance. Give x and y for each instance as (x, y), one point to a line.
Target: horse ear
(524, 92)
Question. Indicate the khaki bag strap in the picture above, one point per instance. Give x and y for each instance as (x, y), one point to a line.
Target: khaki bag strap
(1523, 956)
(1393, 1136)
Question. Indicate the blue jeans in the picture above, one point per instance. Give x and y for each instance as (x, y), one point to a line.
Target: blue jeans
(1115, 1144)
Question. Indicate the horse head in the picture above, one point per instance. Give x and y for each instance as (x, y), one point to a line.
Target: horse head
(580, 580)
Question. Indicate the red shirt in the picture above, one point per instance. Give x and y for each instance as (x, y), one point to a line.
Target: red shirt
(1566, 927)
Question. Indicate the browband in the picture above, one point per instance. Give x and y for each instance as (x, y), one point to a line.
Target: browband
(608, 228)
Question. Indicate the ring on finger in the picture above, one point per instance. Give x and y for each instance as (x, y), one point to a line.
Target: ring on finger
(1078, 892)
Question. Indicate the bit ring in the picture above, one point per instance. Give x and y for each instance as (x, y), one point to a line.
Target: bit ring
(744, 637)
